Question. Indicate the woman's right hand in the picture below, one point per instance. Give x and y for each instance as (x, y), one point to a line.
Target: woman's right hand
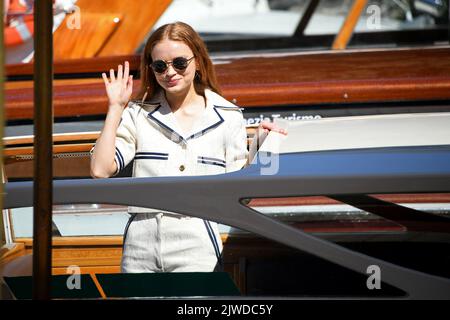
(119, 88)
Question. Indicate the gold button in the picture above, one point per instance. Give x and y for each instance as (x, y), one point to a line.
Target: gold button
(182, 167)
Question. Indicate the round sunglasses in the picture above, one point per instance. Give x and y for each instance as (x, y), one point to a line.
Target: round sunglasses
(179, 63)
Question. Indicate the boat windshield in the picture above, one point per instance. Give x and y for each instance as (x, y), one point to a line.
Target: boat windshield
(283, 24)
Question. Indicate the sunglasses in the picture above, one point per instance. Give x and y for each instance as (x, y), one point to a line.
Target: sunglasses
(179, 63)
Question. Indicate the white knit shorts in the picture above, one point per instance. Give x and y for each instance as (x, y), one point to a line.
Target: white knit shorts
(163, 242)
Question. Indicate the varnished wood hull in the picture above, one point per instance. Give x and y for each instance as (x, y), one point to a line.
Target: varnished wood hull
(296, 79)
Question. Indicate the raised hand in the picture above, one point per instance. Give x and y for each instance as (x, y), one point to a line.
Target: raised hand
(119, 88)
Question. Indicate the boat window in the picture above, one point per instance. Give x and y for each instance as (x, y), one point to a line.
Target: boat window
(323, 216)
(260, 266)
(308, 213)
(90, 237)
(231, 20)
(77, 220)
(320, 215)
(411, 230)
(433, 203)
(251, 25)
(403, 15)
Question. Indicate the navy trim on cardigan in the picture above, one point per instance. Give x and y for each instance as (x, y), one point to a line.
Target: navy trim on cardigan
(152, 154)
(150, 115)
(151, 157)
(200, 133)
(120, 158)
(214, 241)
(212, 163)
(179, 136)
(211, 159)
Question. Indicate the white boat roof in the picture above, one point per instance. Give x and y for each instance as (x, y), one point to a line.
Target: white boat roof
(356, 132)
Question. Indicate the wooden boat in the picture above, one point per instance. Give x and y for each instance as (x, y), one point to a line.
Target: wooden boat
(376, 82)
(404, 225)
(317, 84)
(296, 85)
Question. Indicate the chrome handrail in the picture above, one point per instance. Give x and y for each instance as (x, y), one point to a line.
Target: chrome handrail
(218, 198)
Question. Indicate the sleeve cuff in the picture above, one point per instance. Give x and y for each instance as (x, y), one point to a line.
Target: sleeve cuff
(119, 161)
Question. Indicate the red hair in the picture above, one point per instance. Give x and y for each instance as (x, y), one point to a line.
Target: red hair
(178, 31)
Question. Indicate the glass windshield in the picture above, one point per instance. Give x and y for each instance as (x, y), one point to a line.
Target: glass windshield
(310, 24)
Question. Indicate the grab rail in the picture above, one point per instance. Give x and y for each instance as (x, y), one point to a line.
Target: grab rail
(346, 172)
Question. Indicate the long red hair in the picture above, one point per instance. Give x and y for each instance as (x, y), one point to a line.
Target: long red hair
(177, 31)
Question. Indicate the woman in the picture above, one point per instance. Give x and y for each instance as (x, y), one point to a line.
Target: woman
(179, 125)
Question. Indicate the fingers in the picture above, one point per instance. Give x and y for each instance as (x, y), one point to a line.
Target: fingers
(123, 73)
(130, 83)
(126, 72)
(269, 126)
(105, 79)
(111, 75)
(124, 79)
(119, 72)
(279, 130)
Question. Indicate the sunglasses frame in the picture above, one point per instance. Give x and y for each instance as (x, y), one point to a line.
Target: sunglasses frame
(168, 63)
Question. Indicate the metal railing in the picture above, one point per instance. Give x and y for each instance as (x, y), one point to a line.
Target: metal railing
(338, 173)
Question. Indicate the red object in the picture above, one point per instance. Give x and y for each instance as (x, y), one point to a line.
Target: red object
(19, 24)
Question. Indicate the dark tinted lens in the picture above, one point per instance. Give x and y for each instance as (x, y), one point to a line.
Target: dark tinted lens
(180, 63)
(159, 66)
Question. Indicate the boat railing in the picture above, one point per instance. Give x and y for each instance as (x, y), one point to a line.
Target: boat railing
(353, 175)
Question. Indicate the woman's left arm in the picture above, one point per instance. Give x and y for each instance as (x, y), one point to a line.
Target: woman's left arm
(236, 153)
(260, 135)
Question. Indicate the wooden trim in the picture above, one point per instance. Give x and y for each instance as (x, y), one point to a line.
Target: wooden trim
(77, 136)
(322, 200)
(94, 102)
(11, 252)
(346, 31)
(88, 269)
(345, 91)
(97, 284)
(57, 137)
(86, 241)
(78, 66)
(116, 242)
(11, 85)
(313, 78)
(97, 30)
(81, 147)
(87, 256)
(11, 151)
(79, 241)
